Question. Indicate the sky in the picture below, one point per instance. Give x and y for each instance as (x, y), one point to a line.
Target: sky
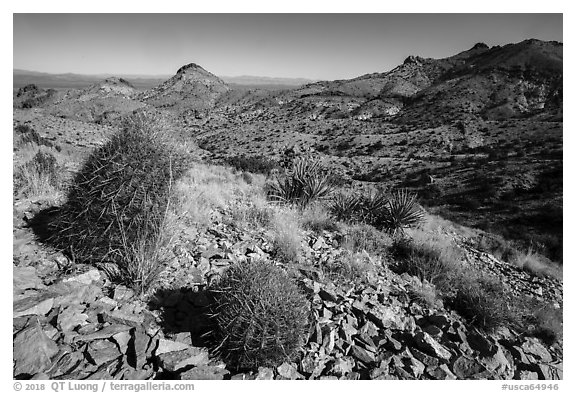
(313, 46)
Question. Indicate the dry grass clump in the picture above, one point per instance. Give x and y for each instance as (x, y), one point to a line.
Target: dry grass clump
(361, 237)
(261, 316)
(39, 177)
(483, 301)
(207, 191)
(429, 257)
(286, 235)
(350, 267)
(118, 202)
(316, 218)
(255, 213)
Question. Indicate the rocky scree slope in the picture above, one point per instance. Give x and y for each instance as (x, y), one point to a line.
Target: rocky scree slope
(71, 322)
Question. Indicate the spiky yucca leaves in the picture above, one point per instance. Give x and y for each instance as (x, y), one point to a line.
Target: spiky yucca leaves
(261, 316)
(346, 207)
(118, 200)
(303, 184)
(373, 207)
(401, 212)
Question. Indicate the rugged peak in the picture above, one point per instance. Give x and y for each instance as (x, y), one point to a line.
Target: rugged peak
(480, 45)
(187, 67)
(114, 80)
(413, 60)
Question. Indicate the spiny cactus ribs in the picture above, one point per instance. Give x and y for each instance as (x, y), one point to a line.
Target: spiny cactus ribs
(261, 316)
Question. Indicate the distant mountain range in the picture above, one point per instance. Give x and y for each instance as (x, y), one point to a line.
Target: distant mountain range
(141, 82)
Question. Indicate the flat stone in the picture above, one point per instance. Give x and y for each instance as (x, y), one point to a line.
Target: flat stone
(265, 373)
(433, 330)
(122, 339)
(414, 366)
(124, 318)
(465, 368)
(429, 345)
(441, 372)
(33, 350)
(362, 355)
(65, 363)
(103, 333)
(106, 303)
(341, 366)
(25, 277)
(498, 364)
(174, 361)
(71, 317)
(102, 351)
(122, 293)
(87, 278)
(288, 371)
(140, 341)
(165, 346)
(482, 344)
(386, 318)
(439, 320)
(427, 360)
(39, 304)
(328, 295)
(532, 347)
(205, 373)
(527, 375)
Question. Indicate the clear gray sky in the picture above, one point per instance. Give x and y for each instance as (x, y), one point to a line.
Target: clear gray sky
(316, 46)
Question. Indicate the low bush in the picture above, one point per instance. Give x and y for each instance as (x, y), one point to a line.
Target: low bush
(39, 177)
(286, 236)
(361, 237)
(261, 316)
(434, 262)
(316, 218)
(254, 164)
(483, 301)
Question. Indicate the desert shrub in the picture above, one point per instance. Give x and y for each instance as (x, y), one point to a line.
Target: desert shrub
(543, 321)
(304, 183)
(260, 315)
(254, 164)
(30, 135)
(256, 214)
(483, 301)
(247, 177)
(287, 236)
(316, 218)
(350, 267)
(431, 261)
(117, 202)
(361, 237)
(38, 177)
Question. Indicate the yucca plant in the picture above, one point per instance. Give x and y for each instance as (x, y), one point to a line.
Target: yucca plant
(373, 207)
(345, 207)
(402, 211)
(303, 184)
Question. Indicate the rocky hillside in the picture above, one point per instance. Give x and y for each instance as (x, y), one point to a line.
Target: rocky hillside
(192, 88)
